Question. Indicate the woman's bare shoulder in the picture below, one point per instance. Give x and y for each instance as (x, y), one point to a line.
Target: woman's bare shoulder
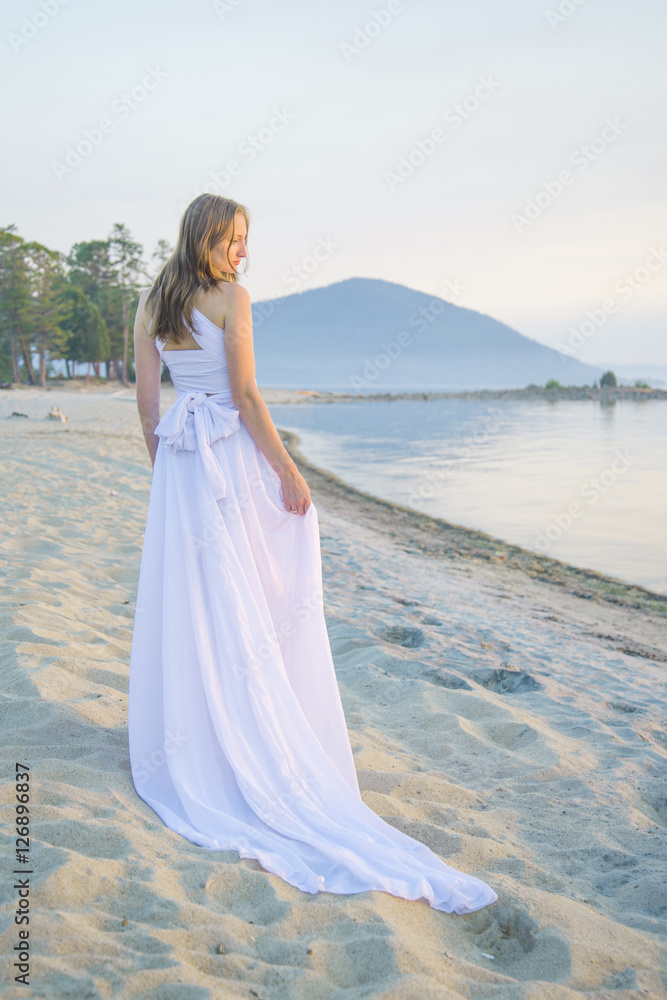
(143, 295)
(142, 316)
(230, 292)
(228, 298)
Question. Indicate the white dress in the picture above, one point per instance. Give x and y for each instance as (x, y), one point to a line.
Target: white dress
(237, 734)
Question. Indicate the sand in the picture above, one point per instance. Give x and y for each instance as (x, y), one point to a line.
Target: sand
(508, 712)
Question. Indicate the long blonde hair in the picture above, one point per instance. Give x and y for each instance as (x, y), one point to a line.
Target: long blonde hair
(207, 220)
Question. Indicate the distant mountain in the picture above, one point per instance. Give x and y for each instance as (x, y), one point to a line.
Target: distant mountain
(365, 335)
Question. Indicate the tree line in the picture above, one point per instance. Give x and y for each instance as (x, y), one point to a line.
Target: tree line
(78, 307)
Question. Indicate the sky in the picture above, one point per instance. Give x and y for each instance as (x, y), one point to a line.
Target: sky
(509, 157)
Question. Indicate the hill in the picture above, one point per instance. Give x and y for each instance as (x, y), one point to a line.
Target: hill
(365, 335)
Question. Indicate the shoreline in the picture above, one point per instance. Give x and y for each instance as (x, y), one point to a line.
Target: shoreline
(437, 538)
(531, 392)
(434, 537)
(272, 394)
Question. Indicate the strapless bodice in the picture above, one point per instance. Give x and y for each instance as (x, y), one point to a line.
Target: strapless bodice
(203, 370)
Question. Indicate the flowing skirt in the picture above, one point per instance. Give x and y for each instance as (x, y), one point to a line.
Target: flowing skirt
(237, 735)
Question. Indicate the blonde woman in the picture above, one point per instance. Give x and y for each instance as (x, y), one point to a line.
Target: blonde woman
(237, 734)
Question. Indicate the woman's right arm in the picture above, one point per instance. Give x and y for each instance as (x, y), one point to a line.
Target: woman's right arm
(148, 368)
(254, 413)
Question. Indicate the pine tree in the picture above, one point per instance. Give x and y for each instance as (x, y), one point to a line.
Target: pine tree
(88, 340)
(16, 307)
(92, 270)
(126, 256)
(46, 269)
(160, 256)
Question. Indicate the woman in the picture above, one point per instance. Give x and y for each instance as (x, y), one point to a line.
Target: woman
(237, 734)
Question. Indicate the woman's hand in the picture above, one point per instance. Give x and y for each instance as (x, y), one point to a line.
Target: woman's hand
(296, 494)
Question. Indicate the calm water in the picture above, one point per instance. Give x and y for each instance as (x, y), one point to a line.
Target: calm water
(579, 481)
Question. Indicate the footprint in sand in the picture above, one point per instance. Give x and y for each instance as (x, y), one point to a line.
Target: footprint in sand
(402, 635)
(505, 681)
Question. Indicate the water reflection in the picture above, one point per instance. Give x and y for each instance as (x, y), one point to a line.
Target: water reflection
(583, 481)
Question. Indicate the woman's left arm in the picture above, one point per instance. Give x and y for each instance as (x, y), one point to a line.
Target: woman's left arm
(148, 368)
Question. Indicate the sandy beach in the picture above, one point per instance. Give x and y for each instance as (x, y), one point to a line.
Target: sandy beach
(506, 709)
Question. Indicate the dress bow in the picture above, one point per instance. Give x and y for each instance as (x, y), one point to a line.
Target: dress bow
(193, 423)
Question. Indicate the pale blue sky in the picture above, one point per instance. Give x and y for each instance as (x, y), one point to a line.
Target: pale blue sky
(220, 75)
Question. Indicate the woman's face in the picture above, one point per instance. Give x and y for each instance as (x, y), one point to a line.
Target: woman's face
(228, 254)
